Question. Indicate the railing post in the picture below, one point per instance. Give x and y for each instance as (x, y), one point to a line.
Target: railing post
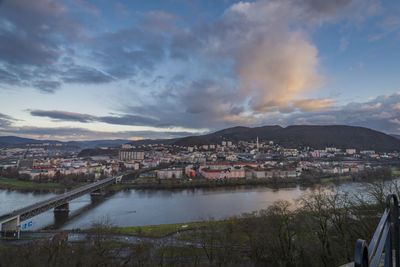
(388, 246)
(395, 219)
(361, 258)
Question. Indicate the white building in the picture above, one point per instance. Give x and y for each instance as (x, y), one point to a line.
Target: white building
(129, 154)
(170, 173)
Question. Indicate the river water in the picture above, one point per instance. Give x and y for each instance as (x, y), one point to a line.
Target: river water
(149, 207)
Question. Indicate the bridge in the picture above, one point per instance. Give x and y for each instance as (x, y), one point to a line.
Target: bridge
(11, 222)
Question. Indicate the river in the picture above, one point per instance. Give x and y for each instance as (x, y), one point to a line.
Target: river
(150, 207)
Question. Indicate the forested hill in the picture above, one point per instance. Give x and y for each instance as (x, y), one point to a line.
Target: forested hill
(314, 136)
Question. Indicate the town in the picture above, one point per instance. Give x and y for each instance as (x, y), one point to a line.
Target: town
(225, 161)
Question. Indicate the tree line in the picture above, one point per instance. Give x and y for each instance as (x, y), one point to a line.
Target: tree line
(319, 229)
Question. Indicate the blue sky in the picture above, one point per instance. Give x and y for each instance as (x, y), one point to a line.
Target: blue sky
(79, 69)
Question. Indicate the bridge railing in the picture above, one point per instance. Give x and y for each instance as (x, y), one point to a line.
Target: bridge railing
(44, 205)
(382, 242)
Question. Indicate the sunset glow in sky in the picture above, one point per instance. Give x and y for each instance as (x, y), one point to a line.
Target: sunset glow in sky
(80, 69)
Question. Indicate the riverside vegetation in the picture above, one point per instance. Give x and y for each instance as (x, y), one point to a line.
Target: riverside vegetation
(10, 179)
(321, 230)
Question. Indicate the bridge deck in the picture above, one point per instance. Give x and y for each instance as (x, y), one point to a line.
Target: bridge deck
(34, 209)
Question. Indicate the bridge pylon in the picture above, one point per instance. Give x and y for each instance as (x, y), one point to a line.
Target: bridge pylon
(11, 228)
(61, 213)
(62, 208)
(98, 194)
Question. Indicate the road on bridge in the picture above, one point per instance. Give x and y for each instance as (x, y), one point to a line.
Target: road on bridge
(37, 208)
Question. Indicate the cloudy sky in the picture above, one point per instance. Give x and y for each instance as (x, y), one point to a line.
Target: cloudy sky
(81, 69)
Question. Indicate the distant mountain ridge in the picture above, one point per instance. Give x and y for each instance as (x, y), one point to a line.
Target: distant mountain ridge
(15, 141)
(396, 136)
(313, 136)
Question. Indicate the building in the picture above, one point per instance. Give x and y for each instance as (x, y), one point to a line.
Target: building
(213, 174)
(236, 173)
(127, 146)
(367, 152)
(190, 171)
(134, 165)
(216, 165)
(223, 173)
(130, 154)
(170, 173)
(258, 172)
(351, 151)
(25, 163)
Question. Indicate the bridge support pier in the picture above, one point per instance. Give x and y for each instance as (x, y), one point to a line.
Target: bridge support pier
(61, 214)
(62, 208)
(96, 195)
(11, 228)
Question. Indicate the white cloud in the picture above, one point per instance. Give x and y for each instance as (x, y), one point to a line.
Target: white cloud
(396, 121)
(396, 106)
(371, 106)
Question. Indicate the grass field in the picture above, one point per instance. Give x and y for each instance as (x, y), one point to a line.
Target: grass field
(12, 183)
(161, 230)
(396, 172)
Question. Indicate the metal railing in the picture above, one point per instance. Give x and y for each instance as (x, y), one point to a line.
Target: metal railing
(37, 208)
(371, 255)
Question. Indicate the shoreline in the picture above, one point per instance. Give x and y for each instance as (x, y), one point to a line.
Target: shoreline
(143, 231)
(179, 184)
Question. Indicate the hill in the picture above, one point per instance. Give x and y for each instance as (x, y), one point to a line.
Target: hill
(396, 136)
(98, 143)
(191, 141)
(14, 141)
(314, 136)
(90, 152)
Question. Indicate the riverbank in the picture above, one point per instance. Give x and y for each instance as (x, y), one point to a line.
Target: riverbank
(147, 231)
(172, 184)
(156, 184)
(155, 231)
(274, 183)
(30, 186)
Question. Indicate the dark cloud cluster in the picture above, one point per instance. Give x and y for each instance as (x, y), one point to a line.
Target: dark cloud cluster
(252, 61)
(252, 65)
(63, 115)
(65, 133)
(138, 48)
(36, 37)
(5, 121)
(381, 113)
(46, 86)
(127, 119)
(84, 75)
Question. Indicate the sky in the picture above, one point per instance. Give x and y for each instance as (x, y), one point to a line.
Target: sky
(86, 70)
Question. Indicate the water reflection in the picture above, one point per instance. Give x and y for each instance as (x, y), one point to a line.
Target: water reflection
(147, 207)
